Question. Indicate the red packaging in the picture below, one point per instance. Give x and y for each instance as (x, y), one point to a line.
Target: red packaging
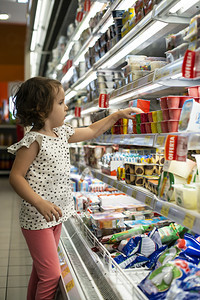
(190, 66)
(149, 115)
(148, 127)
(193, 91)
(103, 100)
(174, 113)
(77, 111)
(173, 125)
(142, 128)
(173, 101)
(164, 126)
(163, 103)
(165, 114)
(144, 117)
(140, 103)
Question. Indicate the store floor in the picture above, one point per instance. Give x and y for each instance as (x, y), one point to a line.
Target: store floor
(15, 260)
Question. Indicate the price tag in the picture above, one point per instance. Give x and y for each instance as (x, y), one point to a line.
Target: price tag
(109, 181)
(165, 210)
(101, 177)
(160, 141)
(115, 184)
(134, 193)
(69, 285)
(124, 189)
(147, 140)
(120, 186)
(188, 221)
(148, 201)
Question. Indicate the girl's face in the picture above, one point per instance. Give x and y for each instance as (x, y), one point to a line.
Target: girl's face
(59, 111)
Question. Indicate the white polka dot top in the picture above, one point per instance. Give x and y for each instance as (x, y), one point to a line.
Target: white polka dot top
(48, 176)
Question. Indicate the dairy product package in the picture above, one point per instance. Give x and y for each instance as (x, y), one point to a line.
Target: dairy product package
(190, 117)
(186, 196)
(166, 185)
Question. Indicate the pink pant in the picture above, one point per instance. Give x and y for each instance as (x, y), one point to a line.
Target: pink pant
(46, 271)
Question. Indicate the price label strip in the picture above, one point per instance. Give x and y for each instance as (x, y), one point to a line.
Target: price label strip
(189, 221)
(124, 189)
(148, 201)
(165, 210)
(160, 141)
(115, 184)
(134, 194)
(109, 181)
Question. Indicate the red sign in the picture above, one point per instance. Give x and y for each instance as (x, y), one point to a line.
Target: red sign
(170, 147)
(87, 5)
(176, 147)
(188, 70)
(77, 111)
(103, 100)
(79, 16)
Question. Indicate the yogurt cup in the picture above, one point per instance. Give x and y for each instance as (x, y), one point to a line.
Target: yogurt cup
(174, 113)
(173, 125)
(159, 129)
(183, 99)
(164, 126)
(154, 116)
(163, 103)
(142, 128)
(148, 127)
(144, 117)
(159, 115)
(149, 115)
(165, 114)
(193, 91)
(173, 101)
(154, 127)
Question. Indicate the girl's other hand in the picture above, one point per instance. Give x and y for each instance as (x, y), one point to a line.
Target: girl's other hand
(127, 113)
(48, 210)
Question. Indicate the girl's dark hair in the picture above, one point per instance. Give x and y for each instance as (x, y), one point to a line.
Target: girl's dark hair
(34, 100)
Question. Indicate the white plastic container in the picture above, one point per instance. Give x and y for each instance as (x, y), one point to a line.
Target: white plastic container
(186, 196)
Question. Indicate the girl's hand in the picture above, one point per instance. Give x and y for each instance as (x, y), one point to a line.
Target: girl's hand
(127, 112)
(48, 210)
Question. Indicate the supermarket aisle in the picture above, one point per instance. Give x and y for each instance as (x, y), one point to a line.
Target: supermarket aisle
(15, 260)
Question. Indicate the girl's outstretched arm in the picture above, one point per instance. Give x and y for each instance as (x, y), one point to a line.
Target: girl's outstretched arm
(22, 162)
(101, 126)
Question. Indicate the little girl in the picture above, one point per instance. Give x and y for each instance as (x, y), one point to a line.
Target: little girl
(41, 174)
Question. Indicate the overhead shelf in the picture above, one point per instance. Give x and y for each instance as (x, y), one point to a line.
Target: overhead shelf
(149, 30)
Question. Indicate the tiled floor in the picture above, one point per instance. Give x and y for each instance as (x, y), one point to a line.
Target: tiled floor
(15, 260)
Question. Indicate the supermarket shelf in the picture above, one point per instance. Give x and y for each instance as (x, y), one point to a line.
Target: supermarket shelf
(116, 55)
(156, 140)
(136, 192)
(151, 85)
(187, 218)
(3, 147)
